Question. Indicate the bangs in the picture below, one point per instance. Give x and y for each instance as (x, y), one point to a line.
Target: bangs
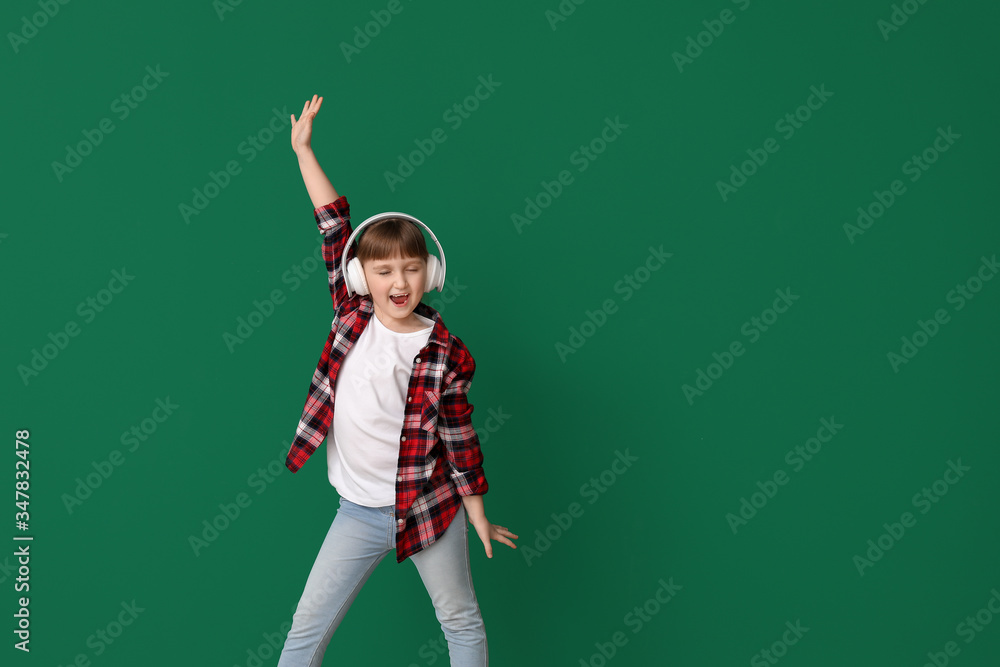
(389, 238)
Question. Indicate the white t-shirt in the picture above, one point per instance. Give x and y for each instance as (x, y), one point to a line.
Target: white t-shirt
(370, 400)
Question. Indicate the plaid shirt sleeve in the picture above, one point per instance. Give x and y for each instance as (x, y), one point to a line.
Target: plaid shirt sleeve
(464, 456)
(334, 221)
(316, 416)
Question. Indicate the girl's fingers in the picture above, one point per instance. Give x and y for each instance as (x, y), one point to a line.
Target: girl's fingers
(310, 106)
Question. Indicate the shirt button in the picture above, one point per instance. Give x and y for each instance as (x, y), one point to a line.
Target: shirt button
(399, 478)
(409, 399)
(404, 437)
(418, 360)
(401, 522)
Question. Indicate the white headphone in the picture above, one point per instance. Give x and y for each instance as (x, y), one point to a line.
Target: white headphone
(354, 274)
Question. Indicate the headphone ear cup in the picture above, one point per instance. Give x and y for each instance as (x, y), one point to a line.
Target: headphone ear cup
(354, 276)
(434, 274)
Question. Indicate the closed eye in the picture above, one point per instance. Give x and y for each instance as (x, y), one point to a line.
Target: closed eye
(385, 273)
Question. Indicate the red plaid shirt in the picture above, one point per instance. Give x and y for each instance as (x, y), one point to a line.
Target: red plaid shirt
(439, 456)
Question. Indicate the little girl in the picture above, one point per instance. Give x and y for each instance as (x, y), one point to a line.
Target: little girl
(401, 449)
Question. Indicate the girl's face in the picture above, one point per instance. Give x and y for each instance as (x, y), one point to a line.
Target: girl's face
(388, 278)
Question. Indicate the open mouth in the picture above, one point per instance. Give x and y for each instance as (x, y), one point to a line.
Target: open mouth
(400, 299)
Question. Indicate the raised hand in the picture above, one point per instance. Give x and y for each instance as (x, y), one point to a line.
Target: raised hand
(302, 130)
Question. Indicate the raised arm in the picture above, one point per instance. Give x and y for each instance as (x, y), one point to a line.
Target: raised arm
(320, 189)
(331, 210)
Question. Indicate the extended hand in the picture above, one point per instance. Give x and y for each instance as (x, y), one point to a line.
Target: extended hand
(487, 531)
(302, 130)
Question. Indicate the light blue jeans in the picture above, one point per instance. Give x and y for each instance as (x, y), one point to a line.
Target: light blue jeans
(358, 540)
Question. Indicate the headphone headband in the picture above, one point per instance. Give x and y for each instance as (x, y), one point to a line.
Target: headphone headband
(382, 216)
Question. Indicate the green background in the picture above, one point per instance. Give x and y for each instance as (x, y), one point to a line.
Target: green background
(515, 294)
